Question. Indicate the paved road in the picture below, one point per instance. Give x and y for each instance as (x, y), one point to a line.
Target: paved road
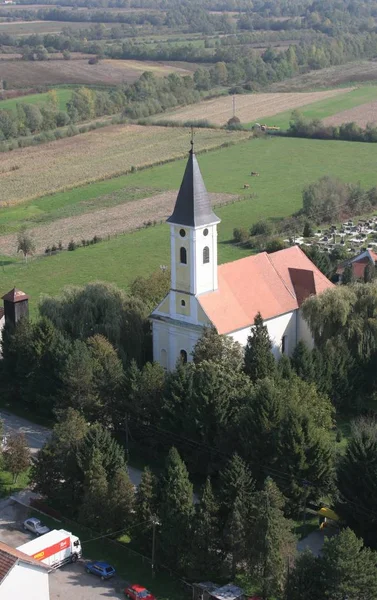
(37, 435)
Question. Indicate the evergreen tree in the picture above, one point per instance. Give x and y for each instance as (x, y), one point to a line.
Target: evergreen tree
(304, 460)
(78, 389)
(259, 427)
(348, 568)
(259, 361)
(235, 534)
(302, 362)
(121, 499)
(94, 510)
(347, 275)
(273, 544)
(111, 452)
(206, 559)
(176, 512)
(304, 581)
(369, 272)
(357, 478)
(107, 377)
(308, 231)
(235, 481)
(145, 507)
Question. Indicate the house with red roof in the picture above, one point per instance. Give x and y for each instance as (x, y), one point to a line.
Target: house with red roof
(358, 264)
(228, 296)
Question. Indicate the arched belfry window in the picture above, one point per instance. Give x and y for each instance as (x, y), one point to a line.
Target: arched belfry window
(205, 255)
(183, 356)
(183, 256)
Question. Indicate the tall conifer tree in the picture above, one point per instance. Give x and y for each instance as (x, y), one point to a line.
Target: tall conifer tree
(259, 360)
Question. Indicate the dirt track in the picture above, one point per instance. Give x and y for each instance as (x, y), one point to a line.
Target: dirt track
(363, 114)
(104, 222)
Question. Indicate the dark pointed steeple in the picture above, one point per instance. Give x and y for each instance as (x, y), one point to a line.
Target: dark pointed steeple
(193, 206)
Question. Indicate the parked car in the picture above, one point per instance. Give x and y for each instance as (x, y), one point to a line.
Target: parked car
(138, 592)
(101, 569)
(35, 526)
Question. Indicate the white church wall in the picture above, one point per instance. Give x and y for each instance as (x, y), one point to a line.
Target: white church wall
(304, 334)
(170, 340)
(279, 327)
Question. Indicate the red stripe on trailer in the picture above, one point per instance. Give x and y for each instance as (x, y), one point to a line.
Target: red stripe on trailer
(54, 549)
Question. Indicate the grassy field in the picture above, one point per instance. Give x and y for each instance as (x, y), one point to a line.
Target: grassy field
(20, 28)
(248, 107)
(19, 73)
(63, 95)
(35, 171)
(285, 167)
(328, 106)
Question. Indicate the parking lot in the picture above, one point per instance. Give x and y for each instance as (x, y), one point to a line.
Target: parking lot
(70, 582)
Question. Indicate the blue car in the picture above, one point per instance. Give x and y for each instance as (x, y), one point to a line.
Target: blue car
(101, 569)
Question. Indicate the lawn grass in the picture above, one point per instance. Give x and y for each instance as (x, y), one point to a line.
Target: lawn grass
(7, 486)
(129, 566)
(285, 165)
(63, 94)
(327, 107)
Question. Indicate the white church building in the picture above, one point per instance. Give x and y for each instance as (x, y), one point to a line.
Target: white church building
(228, 296)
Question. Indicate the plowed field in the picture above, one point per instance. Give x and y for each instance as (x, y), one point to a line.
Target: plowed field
(32, 172)
(109, 221)
(19, 73)
(248, 107)
(366, 113)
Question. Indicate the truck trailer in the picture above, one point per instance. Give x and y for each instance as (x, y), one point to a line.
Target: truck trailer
(56, 548)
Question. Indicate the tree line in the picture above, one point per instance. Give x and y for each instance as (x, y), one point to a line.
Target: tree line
(299, 126)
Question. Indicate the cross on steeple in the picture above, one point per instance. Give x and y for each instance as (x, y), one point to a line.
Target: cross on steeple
(192, 139)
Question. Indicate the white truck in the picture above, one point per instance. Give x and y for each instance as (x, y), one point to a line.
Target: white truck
(55, 548)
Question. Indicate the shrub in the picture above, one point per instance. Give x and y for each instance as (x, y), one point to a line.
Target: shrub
(72, 246)
(261, 228)
(240, 235)
(53, 248)
(274, 245)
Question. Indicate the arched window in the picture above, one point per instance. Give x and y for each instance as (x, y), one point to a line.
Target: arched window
(205, 255)
(183, 356)
(183, 256)
(164, 359)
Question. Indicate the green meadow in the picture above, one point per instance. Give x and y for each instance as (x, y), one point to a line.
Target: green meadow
(326, 108)
(285, 165)
(64, 95)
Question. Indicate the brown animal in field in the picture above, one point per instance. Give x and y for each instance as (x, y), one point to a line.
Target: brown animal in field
(245, 186)
(254, 174)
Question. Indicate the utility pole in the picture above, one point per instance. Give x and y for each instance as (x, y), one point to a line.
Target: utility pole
(154, 523)
(234, 105)
(127, 447)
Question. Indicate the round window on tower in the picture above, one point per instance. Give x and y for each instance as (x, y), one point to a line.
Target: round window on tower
(205, 232)
(182, 232)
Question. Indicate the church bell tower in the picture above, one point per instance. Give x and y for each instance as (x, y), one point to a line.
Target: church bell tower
(178, 321)
(193, 235)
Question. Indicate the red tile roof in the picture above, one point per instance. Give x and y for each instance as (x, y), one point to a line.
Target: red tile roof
(10, 556)
(15, 295)
(272, 284)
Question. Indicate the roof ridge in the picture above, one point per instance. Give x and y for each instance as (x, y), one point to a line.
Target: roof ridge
(278, 274)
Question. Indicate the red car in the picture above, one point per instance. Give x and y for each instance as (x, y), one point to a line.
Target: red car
(138, 592)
